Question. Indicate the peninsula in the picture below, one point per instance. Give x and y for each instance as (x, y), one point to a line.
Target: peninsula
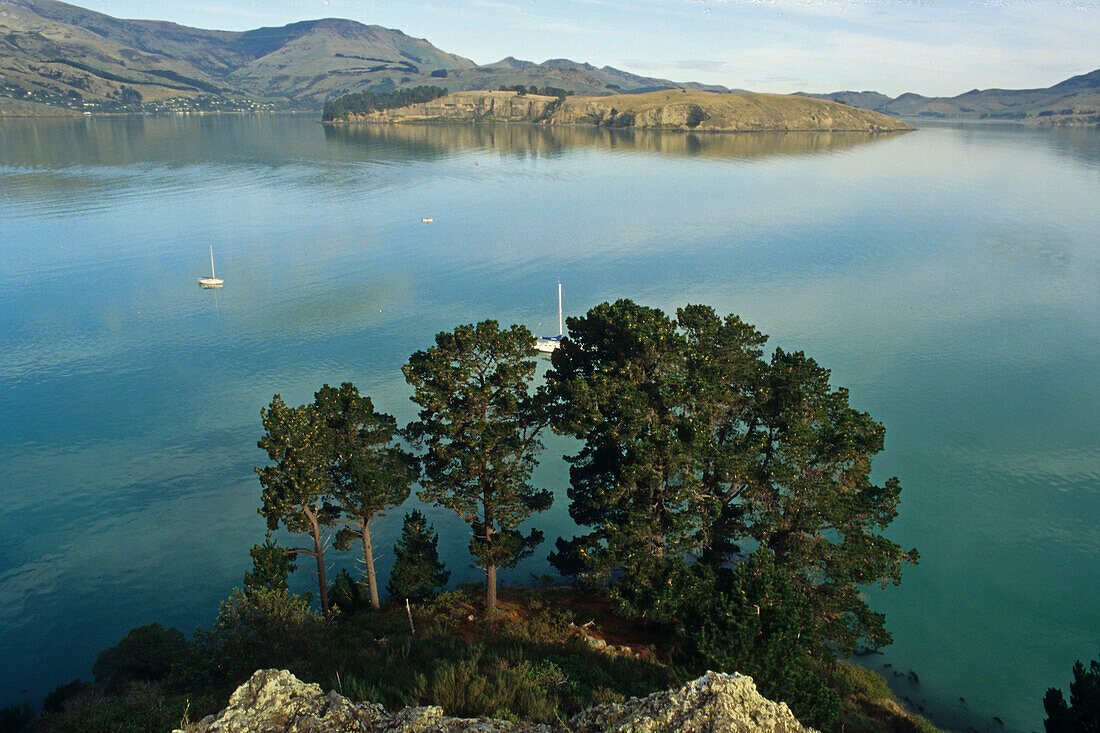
(668, 109)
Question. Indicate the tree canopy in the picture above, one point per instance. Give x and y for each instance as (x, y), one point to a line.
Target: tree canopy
(479, 428)
(694, 444)
(369, 472)
(360, 103)
(296, 487)
(417, 570)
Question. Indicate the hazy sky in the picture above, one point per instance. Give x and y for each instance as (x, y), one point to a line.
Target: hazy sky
(932, 47)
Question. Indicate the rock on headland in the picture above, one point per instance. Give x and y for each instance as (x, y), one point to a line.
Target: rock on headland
(275, 701)
(672, 109)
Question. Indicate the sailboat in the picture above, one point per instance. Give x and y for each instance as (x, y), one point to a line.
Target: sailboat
(551, 343)
(211, 282)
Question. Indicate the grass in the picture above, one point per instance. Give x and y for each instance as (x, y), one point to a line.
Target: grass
(869, 706)
(533, 659)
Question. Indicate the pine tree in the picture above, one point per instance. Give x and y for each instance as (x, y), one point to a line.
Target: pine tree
(479, 427)
(369, 472)
(693, 444)
(297, 486)
(271, 566)
(417, 570)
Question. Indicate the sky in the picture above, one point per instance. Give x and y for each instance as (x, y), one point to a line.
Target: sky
(932, 47)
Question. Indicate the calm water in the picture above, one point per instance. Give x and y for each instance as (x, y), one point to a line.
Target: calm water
(949, 277)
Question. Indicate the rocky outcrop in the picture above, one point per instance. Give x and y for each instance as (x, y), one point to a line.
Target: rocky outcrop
(714, 702)
(470, 107)
(275, 701)
(671, 109)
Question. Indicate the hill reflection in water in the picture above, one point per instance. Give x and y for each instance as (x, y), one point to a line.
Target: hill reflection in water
(544, 140)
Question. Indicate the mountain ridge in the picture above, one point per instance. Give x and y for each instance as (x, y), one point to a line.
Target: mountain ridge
(74, 58)
(1074, 101)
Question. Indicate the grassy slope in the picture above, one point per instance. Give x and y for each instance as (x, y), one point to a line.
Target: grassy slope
(20, 108)
(669, 109)
(741, 112)
(544, 655)
(307, 62)
(46, 53)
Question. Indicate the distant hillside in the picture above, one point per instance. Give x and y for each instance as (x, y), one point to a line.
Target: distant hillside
(68, 57)
(1075, 101)
(678, 109)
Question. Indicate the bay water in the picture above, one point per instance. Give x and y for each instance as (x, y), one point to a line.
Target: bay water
(949, 277)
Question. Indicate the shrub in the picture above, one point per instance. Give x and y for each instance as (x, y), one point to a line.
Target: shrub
(147, 653)
(417, 570)
(261, 629)
(752, 620)
(1082, 714)
(271, 566)
(348, 594)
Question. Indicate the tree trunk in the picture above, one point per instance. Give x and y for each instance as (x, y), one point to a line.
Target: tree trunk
(318, 553)
(490, 587)
(368, 558)
(491, 568)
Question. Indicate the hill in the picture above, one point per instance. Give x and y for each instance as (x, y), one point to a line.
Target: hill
(68, 57)
(1075, 101)
(678, 109)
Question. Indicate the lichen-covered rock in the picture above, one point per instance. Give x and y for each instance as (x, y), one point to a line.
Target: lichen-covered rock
(714, 702)
(275, 701)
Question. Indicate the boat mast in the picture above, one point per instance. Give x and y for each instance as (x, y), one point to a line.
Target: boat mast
(211, 262)
(561, 328)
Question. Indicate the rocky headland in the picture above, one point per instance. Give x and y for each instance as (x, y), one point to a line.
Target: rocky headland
(671, 109)
(275, 701)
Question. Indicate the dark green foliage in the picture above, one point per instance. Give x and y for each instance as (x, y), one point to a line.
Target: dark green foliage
(347, 594)
(808, 496)
(130, 98)
(439, 73)
(519, 670)
(618, 382)
(55, 701)
(544, 91)
(146, 654)
(361, 103)
(14, 718)
(261, 629)
(297, 487)
(479, 428)
(752, 620)
(417, 570)
(695, 444)
(369, 473)
(1082, 714)
(139, 708)
(271, 566)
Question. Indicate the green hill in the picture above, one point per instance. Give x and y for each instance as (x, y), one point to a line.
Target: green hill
(67, 57)
(670, 109)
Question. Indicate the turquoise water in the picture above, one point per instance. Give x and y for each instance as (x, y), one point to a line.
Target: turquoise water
(949, 277)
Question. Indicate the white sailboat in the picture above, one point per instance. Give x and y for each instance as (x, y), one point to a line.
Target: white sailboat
(548, 344)
(211, 282)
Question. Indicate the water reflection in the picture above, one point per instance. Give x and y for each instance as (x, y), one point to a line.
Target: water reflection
(171, 140)
(947, 276)
(544, 140)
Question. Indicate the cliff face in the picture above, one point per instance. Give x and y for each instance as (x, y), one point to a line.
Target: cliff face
(470, 107)
(673, 109)
(274, 701)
